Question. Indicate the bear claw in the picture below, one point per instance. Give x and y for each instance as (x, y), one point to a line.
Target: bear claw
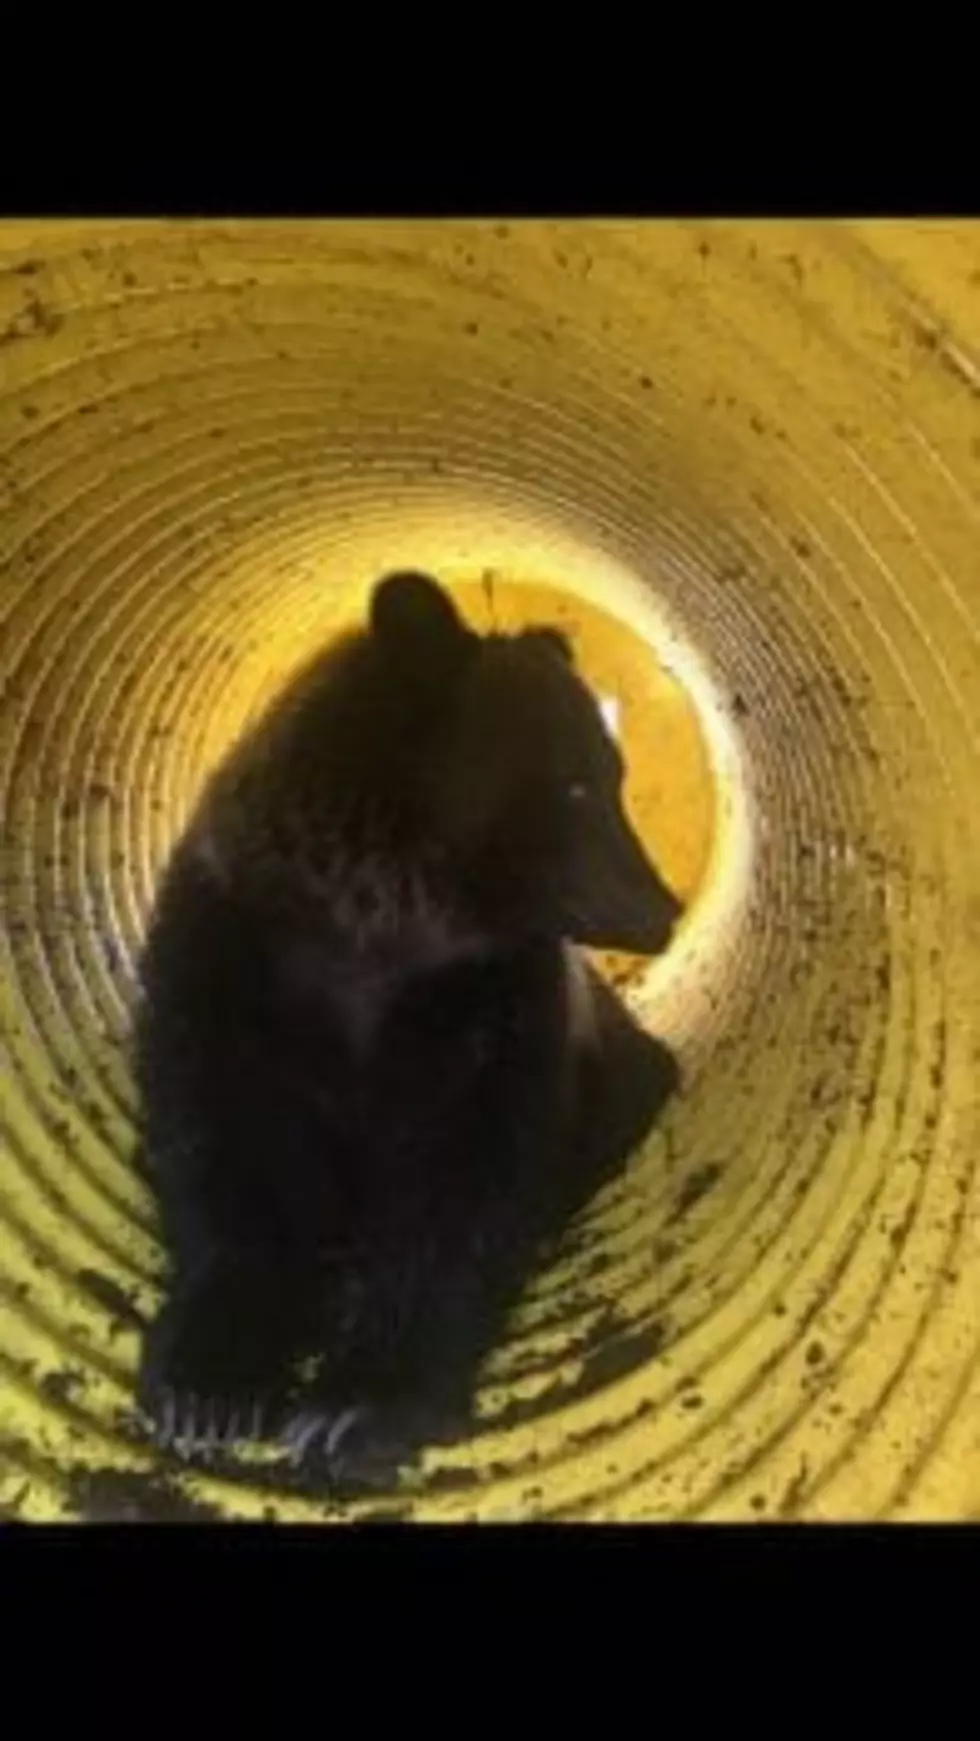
(328, 1427)
(192, 1425)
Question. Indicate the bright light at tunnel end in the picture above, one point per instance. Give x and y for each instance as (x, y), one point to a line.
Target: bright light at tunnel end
(676, 991)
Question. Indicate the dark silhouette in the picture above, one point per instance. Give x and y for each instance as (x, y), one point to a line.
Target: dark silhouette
(377, 1080)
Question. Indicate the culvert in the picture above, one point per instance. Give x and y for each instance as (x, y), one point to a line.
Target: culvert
(745, 457)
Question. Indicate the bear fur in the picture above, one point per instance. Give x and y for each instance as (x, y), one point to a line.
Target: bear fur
(377, 1079)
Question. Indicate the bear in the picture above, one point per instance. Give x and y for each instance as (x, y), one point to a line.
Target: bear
(377, 1076)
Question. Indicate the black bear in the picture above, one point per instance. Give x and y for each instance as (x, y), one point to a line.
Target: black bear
(377, 1080)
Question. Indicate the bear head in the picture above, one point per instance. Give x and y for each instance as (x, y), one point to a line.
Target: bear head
(522, 782)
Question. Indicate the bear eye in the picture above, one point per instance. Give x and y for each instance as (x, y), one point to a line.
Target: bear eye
(578, 791)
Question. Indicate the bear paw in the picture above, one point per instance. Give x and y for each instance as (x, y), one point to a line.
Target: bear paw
(197, 1426)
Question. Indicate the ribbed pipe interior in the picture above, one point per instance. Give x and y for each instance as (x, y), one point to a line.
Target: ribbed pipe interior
(755, 446)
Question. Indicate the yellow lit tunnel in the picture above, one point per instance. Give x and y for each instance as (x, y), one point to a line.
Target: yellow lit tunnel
(740, 461)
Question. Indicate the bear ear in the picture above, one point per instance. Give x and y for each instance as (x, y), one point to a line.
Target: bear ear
(555, 639)
(416, 623)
